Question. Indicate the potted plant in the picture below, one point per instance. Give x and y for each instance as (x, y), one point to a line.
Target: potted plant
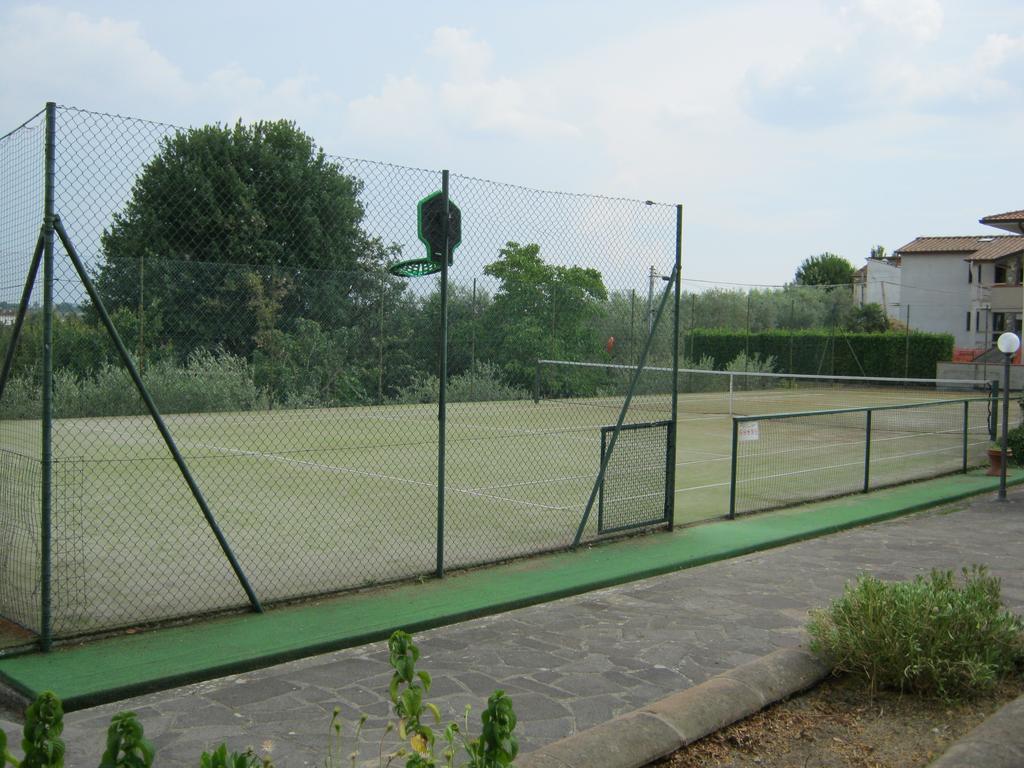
(995, 456)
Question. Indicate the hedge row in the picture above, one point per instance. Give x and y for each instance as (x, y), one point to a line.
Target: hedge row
(894, 353)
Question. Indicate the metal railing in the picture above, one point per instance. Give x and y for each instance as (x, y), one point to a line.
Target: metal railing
(785, 459)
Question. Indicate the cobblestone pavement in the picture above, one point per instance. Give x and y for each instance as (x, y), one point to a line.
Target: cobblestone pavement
(573, 663)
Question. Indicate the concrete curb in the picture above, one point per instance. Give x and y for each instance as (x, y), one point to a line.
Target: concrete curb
(997, 743)
(635, 739)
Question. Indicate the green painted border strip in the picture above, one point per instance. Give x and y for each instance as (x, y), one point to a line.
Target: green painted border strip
(115, 668)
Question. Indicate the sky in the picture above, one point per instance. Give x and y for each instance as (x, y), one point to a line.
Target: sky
(785, 128)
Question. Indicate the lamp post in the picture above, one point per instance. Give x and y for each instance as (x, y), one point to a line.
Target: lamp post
(1008, 344)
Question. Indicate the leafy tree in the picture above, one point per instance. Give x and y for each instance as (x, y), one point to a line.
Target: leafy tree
(467, 340)
(225, 215)
(826, 269)
(542, 310)
(868, 318)
(878, 252)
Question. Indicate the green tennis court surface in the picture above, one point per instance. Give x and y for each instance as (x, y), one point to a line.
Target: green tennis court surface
(316, 501)
(117, 667)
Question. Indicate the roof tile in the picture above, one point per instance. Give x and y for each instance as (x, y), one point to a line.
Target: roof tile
(973, 247)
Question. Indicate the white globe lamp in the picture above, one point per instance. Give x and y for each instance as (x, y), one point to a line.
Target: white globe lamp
(1008, 343)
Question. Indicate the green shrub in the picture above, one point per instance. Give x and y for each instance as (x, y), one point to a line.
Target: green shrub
(891, 353)
(1015, 443)
(208, 382)
(483, 383)
(934, 636)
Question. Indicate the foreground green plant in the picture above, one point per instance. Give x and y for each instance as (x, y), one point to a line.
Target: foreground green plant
(497, 745)
(127, 747)
(934, 635)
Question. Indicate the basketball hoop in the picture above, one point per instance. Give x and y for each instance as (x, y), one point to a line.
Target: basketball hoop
(414, 268)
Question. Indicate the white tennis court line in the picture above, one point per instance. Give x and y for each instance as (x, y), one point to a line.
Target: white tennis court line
(374, 475)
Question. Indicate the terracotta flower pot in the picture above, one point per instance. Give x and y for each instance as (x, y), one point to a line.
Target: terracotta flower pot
(994, 462)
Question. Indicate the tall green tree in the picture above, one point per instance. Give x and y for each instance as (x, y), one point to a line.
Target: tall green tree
(542, 310)
(826, 269)
(223, 217)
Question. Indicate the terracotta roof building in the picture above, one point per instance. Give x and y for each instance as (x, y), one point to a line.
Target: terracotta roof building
(969, 286)
(1012, 221)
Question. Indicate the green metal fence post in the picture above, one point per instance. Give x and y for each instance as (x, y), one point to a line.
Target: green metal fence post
(536, 383)
(867, 452)
(671, 501)
(133, 372)
(732, 468)
(966, 416)
(443, 385)
(46, 523)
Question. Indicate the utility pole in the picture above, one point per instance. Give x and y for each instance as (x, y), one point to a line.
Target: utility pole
(653, 278)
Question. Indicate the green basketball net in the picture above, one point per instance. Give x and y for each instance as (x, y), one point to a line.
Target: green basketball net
(414, 268)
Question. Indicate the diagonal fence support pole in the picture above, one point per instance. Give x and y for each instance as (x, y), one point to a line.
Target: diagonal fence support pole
(625, 409)
(155, 414)
(19, 319)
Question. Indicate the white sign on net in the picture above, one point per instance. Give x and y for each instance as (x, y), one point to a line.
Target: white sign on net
(749, 432)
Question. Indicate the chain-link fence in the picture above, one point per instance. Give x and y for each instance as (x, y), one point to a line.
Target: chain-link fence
(246, 274)
(270, 423)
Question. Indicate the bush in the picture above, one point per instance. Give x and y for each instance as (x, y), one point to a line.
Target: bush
(821, 352)
(208, 382)
(1015, 443)
(483, 383)
(932, 635)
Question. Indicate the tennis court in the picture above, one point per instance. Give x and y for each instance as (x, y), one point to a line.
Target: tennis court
(315, 501)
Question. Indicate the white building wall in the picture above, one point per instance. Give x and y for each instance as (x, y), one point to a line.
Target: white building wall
(881, 286)
(935, 291)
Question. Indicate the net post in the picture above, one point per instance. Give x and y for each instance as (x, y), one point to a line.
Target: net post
(966, 416)
(442, 391)
(536, 383)
(46, 522)
(867, 451)
(154, 412)
(732, 468)
(732, 378)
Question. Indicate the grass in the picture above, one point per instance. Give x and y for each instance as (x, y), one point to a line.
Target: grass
(318, 500)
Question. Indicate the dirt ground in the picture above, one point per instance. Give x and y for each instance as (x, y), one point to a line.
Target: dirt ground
(839, 725)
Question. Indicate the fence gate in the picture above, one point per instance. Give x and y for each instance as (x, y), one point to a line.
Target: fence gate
(635, 488)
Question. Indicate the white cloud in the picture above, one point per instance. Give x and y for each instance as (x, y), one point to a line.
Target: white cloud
(403, 107)
(108, 64)
(922, 20)
(69, 57)
(468, 59)
(465, 98)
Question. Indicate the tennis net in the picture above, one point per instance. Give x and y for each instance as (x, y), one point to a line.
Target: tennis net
(740, 393)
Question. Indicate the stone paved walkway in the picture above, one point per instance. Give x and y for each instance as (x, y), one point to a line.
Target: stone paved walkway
(570, 664)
